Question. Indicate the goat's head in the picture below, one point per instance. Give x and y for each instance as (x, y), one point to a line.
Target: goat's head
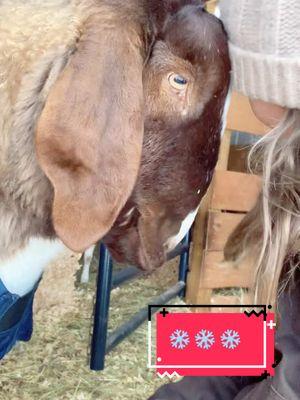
(90, 135)
(185, 86)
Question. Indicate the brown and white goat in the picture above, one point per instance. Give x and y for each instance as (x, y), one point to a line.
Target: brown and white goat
(110, 126)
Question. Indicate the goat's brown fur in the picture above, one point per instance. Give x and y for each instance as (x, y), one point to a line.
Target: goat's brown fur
(39, 39)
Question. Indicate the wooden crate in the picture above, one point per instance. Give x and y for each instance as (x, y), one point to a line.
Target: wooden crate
(234, 191)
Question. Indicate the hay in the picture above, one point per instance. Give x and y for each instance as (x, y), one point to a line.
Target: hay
(53, 365)
(57, 287)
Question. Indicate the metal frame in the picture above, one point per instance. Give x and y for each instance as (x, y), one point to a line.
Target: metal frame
(101, 344)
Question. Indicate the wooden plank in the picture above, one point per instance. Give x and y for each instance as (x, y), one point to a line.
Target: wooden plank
(241, 117)
(234, 191)
(210, 5)
(217, 274)
(224, 151)
(234, 300)
(220, 299)
(195, 293)
(219, 227)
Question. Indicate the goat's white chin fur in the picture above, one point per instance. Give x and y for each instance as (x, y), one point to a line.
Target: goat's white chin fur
(186, 224)
(217, 12)
(21, 272)
(225, 112)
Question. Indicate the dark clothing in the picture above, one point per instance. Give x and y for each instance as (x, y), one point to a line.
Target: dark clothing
(15, 318)
(285, 385)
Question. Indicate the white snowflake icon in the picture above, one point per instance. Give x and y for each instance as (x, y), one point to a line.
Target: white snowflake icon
(179, 339)
(230, 339)
(204, 339)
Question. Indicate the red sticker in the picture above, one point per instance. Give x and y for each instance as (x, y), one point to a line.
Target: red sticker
(211, 344)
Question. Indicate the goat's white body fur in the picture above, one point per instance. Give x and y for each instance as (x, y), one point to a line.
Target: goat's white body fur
(20, 272)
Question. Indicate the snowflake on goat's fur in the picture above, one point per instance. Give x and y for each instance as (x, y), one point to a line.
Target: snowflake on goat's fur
(230, 339)
(204, 339)
(179, 339)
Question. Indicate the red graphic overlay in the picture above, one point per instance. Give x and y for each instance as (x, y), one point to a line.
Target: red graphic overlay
(206, 344)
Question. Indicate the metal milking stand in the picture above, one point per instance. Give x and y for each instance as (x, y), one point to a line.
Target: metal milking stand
(106, 280)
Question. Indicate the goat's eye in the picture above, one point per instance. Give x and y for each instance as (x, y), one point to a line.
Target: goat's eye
(177, 81)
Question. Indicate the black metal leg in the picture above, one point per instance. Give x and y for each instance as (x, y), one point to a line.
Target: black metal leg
(137, 319)
(184, 261)
(101, 310)
(100, 345)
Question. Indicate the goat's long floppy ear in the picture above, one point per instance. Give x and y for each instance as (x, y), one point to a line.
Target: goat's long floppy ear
(89, 135)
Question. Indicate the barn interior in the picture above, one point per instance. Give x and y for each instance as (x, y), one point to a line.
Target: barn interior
(54, 364)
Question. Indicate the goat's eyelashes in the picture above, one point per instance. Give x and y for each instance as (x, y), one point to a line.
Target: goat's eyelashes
(177, 81)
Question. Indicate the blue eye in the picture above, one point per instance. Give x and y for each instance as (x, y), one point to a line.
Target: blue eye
(177, 81)
(180, 80)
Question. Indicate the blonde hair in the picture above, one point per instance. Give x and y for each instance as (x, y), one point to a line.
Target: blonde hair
(276, 157)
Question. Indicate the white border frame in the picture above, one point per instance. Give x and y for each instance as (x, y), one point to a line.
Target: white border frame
(150, 365)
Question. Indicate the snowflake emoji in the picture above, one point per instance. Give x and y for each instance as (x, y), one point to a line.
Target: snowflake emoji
(204, 339)
(230, 339)
(179, 339)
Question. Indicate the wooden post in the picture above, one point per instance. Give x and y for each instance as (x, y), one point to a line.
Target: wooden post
(195, 293)
(211, 5)
(224, 151)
